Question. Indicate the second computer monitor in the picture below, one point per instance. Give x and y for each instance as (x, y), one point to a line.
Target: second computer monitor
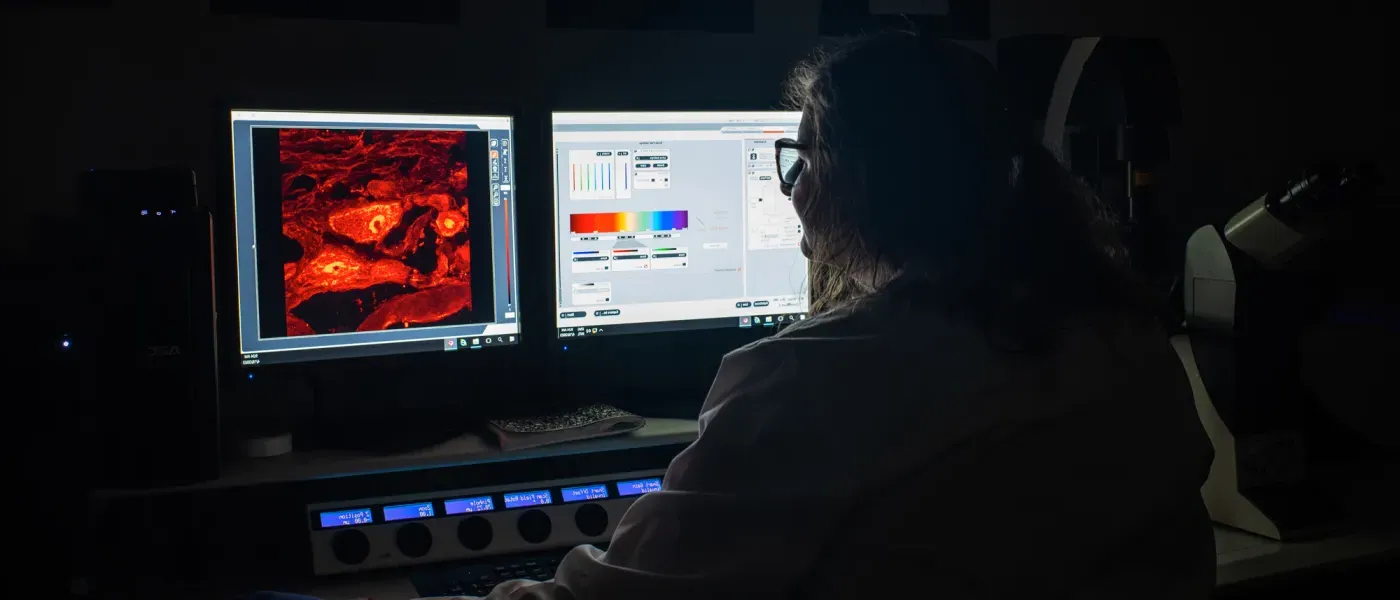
(668, 221)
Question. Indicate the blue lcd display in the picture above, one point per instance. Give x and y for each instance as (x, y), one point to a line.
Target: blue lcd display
(638, 487)
(401, 512)
(594, 491)
(462, 506)
(523, 499)
(346, 516)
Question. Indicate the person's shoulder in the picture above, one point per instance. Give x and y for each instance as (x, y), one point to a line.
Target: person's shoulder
(849, 344)
(859, 319)
(867, 326)
(780, 365)
(821, 334)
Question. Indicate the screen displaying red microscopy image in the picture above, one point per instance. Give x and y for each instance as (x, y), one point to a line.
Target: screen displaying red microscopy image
(376, 229)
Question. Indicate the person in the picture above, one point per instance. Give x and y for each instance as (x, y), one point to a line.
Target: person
(982, 404)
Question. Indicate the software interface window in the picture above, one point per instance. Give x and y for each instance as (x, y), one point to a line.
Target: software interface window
(670, 221)
(372, 234)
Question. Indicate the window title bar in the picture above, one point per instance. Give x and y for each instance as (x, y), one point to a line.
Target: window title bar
(767, 116)
(482, 121)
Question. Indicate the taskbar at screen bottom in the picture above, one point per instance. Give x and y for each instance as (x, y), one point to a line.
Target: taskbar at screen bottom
(769, 321)
(447, 344)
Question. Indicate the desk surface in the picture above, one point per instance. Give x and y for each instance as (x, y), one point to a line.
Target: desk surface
(463, 450)
(1239, 557)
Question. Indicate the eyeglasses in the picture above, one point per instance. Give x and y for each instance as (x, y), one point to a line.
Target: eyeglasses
(790, 163)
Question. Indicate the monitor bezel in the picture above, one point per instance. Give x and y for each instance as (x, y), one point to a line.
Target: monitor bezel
(583, 358)
(663, 327)
(484, 361)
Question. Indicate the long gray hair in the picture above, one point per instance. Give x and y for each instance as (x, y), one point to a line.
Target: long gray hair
(923, 180)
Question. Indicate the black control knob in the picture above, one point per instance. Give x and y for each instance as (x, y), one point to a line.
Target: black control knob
(474, 533)
(414, 540)
(350, 546)
(534, 526)
(592, 520)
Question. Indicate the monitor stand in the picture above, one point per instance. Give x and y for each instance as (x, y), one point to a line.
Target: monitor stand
(383, 434)
(380, 410)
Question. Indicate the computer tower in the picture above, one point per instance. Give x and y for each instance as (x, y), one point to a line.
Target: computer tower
(146, 338)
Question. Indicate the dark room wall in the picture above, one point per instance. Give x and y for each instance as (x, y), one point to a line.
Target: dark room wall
(136, 84)
(1263, 93)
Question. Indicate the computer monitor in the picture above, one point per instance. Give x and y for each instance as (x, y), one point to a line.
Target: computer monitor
(363, 234)
(669, 221)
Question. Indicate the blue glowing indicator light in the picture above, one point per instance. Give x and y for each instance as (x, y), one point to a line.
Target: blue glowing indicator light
(596, 491)
(462, 506)
(523, 499)
(346, 517)
(403, 512)
(638, 487)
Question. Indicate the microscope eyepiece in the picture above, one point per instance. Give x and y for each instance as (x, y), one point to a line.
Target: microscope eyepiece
(1321, 190)
(1279, 224)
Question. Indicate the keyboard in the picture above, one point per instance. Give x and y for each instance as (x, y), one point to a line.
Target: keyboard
(478, 577)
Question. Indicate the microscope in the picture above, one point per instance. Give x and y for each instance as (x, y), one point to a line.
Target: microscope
(1251, 290)
(1254, 290)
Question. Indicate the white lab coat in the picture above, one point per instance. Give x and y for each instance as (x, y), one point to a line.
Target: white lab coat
(878, 452)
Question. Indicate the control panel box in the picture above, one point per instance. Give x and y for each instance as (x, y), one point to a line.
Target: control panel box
(378, 533)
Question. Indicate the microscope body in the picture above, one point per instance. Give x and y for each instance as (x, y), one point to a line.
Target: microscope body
(1105, 105)
(1239, 353)
(1247, 306)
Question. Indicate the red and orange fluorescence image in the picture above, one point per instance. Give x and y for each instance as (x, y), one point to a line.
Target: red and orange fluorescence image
(382, 223)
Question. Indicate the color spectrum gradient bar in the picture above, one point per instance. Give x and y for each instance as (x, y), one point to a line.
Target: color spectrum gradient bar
(661, 220)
